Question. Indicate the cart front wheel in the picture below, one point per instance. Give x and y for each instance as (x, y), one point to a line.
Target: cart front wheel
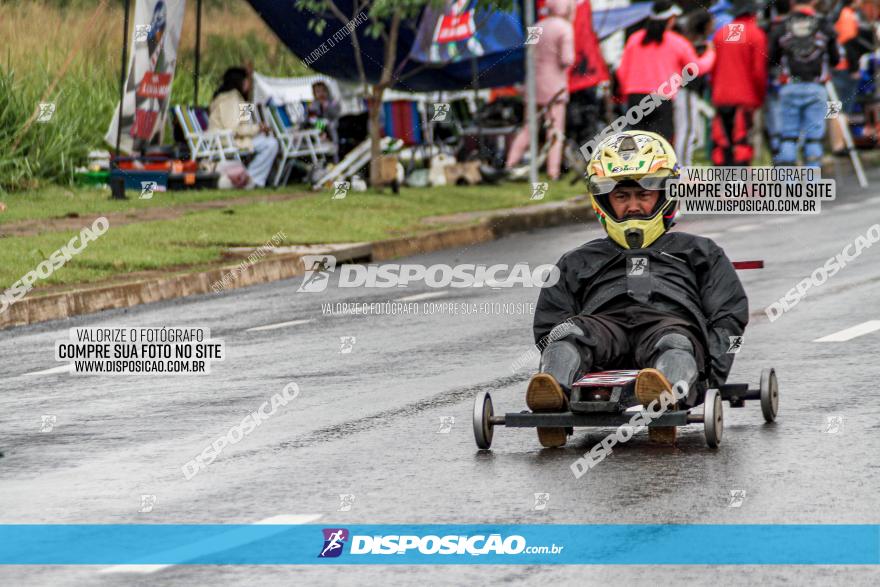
(769, 394)
(483, 427)
(713, 418)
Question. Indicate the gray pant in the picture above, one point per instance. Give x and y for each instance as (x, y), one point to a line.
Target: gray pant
(673, 355)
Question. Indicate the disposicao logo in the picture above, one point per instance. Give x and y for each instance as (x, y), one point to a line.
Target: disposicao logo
(334, 540)
(319, 268)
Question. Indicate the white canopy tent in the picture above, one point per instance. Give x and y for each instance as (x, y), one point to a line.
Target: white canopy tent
(289, 90)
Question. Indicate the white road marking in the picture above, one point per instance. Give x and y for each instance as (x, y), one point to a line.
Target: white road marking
(494, 283)
(278, 325)
(142, 569)
(852, 332)
(423, 296)
(850, 206)
(712, 235)
(210, 545)
(786, 220)
(744, 228)
(874, 200)
(68, 368)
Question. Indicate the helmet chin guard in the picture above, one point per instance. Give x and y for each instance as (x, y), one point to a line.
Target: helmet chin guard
(634, 238)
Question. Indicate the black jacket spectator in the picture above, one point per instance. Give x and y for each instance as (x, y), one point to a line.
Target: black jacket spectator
(813, 65)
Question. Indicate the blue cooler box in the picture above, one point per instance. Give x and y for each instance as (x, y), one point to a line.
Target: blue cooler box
(138, 179)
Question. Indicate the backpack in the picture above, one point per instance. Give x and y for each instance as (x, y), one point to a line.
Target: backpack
(802, 42)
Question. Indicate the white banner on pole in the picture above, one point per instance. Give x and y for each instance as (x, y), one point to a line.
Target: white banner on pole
(156, 35)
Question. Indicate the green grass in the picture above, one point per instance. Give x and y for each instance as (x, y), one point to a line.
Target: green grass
(86, 94)
(59, 201)
(199, 238)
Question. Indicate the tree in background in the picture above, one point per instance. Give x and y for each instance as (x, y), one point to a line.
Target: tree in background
(384, 19)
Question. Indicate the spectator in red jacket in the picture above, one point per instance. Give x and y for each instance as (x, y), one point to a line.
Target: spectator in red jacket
(739, 84)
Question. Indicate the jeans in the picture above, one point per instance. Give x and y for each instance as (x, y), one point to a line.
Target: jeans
(773, 119)
(847, 88)
(266, 148)
(803, 106)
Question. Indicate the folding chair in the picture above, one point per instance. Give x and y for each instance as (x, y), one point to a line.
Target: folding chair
(203, 143)
(290, 142)
(403, 121)
(407, 120)
(297, 114)
(224, 139)
(294, 142)
(294, 117)
(200, 145)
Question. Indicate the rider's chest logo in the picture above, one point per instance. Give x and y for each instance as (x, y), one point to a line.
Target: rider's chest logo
(637, 266)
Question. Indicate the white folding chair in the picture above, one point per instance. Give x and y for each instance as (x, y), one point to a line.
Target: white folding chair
(204, 143)
(294, 142)
(311, 137)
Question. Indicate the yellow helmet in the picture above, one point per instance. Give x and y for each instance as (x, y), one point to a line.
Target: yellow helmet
(649, 160)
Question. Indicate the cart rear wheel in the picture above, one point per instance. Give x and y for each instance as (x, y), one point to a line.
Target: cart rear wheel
(769, 394)
(713, 418)
(483, 427)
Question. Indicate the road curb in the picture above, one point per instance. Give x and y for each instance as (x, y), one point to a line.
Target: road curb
(33, 310)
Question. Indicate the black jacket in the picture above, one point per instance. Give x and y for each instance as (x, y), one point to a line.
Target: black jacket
(685, 275)
(815, 68)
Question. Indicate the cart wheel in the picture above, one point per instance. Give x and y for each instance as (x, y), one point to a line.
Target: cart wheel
(483, 428)
(769, 394)
(713, 418)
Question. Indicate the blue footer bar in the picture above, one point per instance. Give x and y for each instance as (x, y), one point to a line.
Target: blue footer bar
(111, 544)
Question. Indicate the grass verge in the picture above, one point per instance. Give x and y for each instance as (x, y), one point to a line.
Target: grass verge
(68, 202)
(199, 237)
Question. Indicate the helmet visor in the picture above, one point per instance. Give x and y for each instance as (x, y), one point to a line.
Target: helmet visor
(605, 185)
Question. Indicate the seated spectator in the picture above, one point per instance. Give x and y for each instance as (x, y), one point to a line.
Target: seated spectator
(324, 112)
(226, 113)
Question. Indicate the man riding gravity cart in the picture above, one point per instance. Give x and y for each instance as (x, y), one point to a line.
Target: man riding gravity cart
(667, 303)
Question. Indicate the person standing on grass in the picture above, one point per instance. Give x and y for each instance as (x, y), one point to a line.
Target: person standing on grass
(554, 55)
(226, 114)
(650, 58)
(740, 84)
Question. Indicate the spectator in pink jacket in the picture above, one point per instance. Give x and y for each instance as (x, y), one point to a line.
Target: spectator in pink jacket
(554, 55)
(651, 57)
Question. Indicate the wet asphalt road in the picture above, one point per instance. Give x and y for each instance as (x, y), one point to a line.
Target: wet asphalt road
(368, 422)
